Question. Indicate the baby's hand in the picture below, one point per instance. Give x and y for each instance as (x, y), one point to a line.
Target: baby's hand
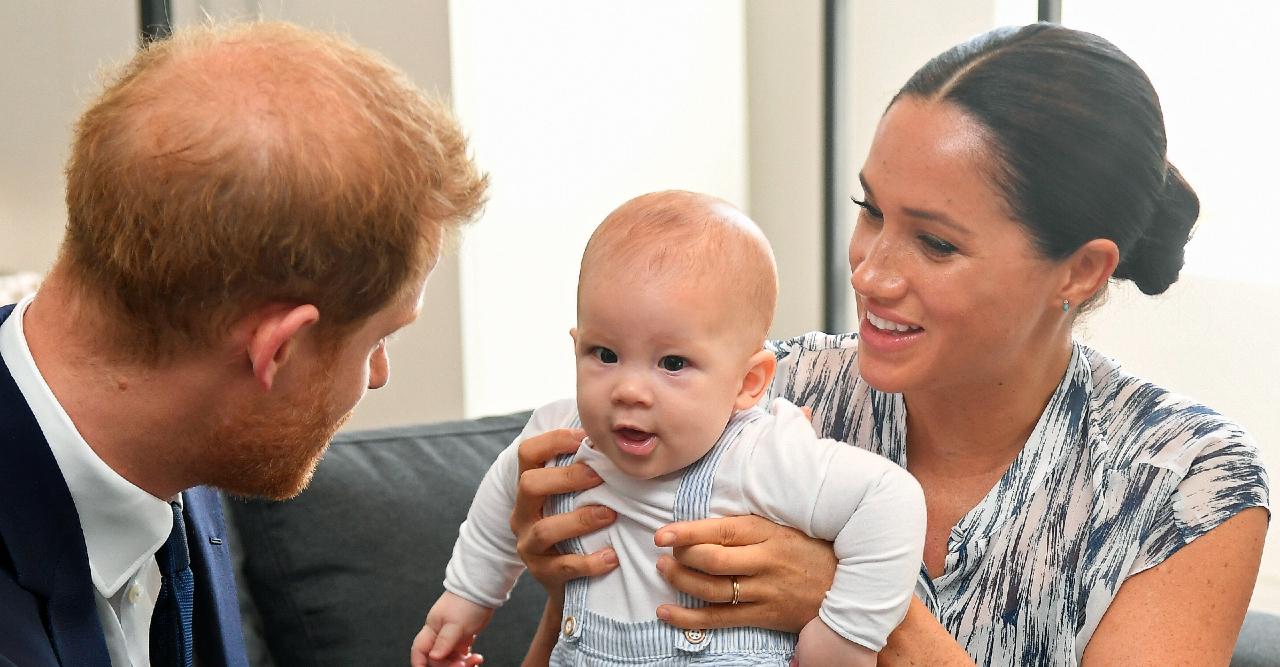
(820, 645)
(445, 640)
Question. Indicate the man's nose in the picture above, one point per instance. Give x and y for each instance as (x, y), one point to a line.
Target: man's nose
(379, 367)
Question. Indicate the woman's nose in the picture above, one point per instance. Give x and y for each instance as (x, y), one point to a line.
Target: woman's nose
(875, 262)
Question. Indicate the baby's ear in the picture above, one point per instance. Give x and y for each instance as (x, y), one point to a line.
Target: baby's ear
(756, 382)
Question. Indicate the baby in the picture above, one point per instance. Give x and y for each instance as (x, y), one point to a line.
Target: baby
(675, 295)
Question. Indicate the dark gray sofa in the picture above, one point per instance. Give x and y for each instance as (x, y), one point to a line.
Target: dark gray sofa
(343, 574)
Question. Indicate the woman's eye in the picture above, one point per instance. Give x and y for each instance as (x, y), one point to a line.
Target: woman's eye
(870, 209)
(936, 245)
(605, 355)
(672, 363)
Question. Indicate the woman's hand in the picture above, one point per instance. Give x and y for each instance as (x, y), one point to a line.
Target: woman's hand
(536, 535)
(782, 574)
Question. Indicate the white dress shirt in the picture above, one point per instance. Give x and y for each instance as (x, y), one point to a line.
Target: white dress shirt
(123, 525)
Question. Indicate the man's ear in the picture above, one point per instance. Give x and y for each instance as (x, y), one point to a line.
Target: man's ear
(274, 336)
(1088, 270)
(756, 382)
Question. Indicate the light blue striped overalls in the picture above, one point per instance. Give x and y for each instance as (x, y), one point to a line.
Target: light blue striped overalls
(588, 639)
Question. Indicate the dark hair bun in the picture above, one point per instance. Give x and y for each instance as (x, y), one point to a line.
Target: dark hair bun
(1078, 141)
(1157, 256)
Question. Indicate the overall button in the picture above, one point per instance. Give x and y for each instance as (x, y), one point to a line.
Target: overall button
(695, 636)
(569, 624)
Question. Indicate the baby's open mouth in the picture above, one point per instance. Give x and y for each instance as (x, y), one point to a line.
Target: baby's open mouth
(634, 441)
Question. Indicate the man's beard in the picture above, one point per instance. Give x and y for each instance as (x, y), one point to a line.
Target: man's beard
(273, 453)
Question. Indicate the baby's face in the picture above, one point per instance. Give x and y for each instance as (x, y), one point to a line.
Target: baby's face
(659, 369)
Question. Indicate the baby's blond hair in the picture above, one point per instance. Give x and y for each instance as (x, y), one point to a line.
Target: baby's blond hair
(701, 241)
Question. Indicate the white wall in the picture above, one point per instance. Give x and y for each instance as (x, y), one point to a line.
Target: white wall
(51, 53)
(784, 51)
(575, 107)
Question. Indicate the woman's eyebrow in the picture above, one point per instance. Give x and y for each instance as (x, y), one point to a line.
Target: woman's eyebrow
(921, 213)
(938, 217)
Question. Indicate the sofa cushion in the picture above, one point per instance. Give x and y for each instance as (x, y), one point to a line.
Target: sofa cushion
(344, 573)
(1259, 642)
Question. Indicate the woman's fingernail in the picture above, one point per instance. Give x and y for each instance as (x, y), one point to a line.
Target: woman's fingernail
(663, 564)
(602, 513)
(665, 538)
(664, 614)
(610, 557)
(592, 475)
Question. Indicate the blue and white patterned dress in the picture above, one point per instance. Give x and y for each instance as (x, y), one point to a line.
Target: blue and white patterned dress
(1117, 475)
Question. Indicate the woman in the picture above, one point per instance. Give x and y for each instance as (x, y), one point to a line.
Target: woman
(1075, 513)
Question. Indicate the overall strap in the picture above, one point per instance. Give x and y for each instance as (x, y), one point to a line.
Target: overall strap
(575, 591)
(693, 498)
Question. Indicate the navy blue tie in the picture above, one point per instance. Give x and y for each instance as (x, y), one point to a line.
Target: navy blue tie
(171, 621)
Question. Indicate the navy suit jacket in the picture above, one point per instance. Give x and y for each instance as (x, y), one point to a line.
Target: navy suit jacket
(48, 614)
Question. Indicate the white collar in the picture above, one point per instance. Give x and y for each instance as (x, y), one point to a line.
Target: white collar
(123, 525)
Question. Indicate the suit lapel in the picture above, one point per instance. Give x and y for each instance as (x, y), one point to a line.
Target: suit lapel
(42, 530)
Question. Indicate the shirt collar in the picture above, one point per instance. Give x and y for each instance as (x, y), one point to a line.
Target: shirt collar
(123, 525)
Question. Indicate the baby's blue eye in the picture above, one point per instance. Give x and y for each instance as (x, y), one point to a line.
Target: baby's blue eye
(605, 355)
(672, 363)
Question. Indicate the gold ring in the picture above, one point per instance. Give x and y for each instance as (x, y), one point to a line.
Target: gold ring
(737, 590)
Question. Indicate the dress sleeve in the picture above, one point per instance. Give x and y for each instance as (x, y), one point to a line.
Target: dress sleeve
(1224, 477)
(814, 364)
(871, 509)
(485, 565)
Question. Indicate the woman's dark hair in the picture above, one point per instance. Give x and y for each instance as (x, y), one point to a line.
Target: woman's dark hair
(1078, 141)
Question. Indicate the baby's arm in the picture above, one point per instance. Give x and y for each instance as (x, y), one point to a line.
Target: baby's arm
(870, 507)
(484, 566)
(820, 645)
(445, 640)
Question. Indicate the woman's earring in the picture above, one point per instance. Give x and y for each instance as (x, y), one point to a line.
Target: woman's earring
(1066, 305)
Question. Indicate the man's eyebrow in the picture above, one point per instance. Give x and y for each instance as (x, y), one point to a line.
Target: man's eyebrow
(920, 213)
